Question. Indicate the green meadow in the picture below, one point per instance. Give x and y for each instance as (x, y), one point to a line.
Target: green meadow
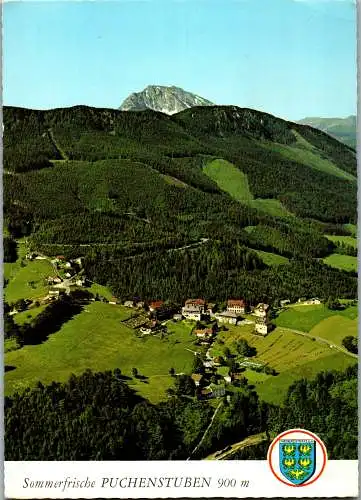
(347, 240)
(97, 339)
(340, 261)
(234, 182)
(28, 282)
(306, 317)
(291, 355)
(335, 328)
(272, 259)
(306, 154)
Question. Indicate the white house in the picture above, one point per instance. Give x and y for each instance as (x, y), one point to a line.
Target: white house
(227, 317)
(313, 301)
(284, 302)
(237, 306)
(262, 326)
(194, 309)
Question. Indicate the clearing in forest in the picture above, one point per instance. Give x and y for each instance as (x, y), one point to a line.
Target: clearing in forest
(340, 261)
(234, 182)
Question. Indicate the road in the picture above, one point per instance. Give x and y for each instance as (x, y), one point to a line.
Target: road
(320, 339)
(228, 451)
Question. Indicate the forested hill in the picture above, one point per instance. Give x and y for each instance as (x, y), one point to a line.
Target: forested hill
(114, 185)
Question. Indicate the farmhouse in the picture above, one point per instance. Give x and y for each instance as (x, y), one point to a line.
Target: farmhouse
(113, 301)
(314, 301)
(262, 326)
(237, 306)
(193, 309)
(155, 304)
(196, 302)
(261, 310)
(204, 333)
(177, 317)
(227, 317)
(284, 302)
(54, 293)
(128, 303)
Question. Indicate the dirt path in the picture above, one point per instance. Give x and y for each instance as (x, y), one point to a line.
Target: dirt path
(320, 339)
(206, 431)
(228, 451)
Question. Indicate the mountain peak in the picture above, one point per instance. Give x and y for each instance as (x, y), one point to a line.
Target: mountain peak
(166, 99)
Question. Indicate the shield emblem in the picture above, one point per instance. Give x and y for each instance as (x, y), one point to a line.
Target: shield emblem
(297, 459)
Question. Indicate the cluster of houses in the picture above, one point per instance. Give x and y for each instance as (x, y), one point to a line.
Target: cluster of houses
(199, 310)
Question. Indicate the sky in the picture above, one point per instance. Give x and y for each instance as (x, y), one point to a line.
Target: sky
(291, 58)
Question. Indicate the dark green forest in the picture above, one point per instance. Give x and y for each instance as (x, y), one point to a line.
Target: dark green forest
(129, 193)
(96, 416)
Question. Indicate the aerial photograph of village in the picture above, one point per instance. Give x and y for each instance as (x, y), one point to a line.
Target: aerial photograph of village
(179, 228)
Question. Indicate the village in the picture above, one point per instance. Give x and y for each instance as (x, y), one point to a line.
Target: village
(216, 371)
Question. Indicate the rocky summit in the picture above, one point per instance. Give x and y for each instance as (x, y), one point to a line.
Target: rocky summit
(169, 100)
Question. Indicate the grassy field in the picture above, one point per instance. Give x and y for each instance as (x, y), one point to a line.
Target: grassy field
(291, 355)
(230, 179)
(339, 261)
(306, 154)
(101, 290)
(233, 181)
(274, 389)
(271, 259)
(10, 345)
(347, 240)
(96, 339)
(29, 315)
(11, 268)
(271, 206)
(304, 318)
(335, 328)
(28, 282)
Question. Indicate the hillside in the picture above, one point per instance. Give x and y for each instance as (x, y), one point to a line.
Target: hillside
(168, 100)
(119, 187)
(343, 129)
(212, 202)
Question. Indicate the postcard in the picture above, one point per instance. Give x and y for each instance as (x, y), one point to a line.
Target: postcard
(180, 249)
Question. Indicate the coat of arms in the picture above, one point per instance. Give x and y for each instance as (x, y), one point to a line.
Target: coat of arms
(297, 459)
